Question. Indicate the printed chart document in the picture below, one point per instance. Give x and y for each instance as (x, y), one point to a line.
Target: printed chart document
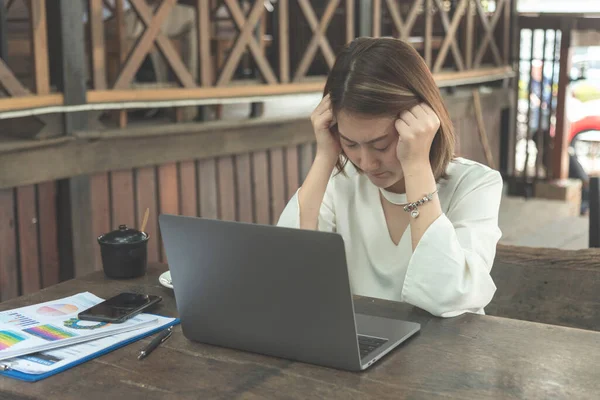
(54, 324)
(52, 360)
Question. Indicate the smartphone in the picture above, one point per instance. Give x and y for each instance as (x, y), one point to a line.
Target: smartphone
(119, 308)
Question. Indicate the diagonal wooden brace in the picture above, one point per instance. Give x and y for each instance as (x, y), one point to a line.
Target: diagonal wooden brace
(489, 32)
(318, 39)
(150, 36)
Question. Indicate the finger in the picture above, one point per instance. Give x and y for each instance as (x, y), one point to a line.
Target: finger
(431, 114)
(419, 113)
(409, 118)
(323, 105)
(325, 119)
(428, 110)
(401, 126)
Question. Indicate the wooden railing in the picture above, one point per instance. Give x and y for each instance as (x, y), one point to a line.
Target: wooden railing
(248, 49)
(58, 194)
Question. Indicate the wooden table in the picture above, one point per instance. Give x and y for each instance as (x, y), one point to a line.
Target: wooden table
(467, 357)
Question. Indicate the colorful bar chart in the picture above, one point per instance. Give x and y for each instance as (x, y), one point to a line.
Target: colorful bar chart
(49, 332)
(9, 339)
(16, 319)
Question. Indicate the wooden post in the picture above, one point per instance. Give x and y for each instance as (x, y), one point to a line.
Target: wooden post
(3, 40)
(365, 25)
(594, 222)
(509, 115)
(560, 157)
(76, 240)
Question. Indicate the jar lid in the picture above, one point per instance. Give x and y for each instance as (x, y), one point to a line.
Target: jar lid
(123, 235)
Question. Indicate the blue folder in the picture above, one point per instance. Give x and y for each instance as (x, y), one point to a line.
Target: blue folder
(38, 377)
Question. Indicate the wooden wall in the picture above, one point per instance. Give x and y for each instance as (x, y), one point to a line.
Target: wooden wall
(245, 186)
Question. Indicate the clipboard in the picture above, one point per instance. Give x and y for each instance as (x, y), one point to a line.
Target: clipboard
(27, 377)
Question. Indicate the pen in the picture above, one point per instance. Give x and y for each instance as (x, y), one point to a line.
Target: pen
(164, 335)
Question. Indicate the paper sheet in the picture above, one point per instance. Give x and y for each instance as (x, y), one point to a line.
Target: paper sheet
(47, 361)
(54, 324)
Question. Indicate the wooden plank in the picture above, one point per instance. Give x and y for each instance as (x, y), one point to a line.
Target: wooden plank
(451, 78)
(96, 11)
(101, 212)
(233, 91)
(243, 178)
(306, 159)
(168, 195)
(27, 224)
(188, 192)
(428, 32)
(377, 18)
(292, 172)
(508, 10)
(9, 274)
(277, 183)
(226, 179)
(204, 30)
(29, 101)
(483, 138)
(168, 189)
(10, 83)
(284, 41)
(249, 40)
(121, 47)
(90, 156)
(551, 286)
(146, 197)
(122, 202)
(260, 182)
(207, 187)
(39, 35)
(468, 37)
(48, 229)
(560, 159)
(349, 20)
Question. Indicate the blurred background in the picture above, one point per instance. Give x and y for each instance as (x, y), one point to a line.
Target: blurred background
(200, 107)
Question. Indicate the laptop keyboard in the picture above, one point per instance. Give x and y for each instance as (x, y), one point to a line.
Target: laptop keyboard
(368, 344)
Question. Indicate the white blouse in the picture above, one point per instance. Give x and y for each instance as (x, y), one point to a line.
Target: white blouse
(448, 274)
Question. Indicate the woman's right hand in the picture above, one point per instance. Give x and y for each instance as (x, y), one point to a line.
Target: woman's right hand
(328, 144)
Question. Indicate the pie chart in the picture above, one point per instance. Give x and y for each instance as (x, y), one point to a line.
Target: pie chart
(56, 310)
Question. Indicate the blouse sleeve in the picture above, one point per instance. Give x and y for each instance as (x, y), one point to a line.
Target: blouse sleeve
(290, 217)
(449, 270)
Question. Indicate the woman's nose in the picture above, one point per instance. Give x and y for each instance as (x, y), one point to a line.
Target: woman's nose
(368, 162)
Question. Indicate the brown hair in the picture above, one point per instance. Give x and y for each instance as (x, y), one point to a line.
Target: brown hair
(382, 77)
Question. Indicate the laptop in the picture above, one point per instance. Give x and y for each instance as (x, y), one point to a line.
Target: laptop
(271, 290)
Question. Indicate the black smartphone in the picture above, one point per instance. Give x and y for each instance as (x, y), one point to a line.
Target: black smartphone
(119, 308)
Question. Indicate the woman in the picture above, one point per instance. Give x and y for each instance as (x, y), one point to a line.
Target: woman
(419, 225)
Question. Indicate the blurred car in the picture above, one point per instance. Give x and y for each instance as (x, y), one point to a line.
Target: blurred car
(583, 111)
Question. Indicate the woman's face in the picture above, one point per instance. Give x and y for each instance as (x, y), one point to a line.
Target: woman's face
(370, 144)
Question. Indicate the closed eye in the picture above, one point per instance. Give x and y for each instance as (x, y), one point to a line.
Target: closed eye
(383, 149)
(350, 145)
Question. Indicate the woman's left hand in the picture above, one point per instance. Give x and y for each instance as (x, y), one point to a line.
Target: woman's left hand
(416, 129)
